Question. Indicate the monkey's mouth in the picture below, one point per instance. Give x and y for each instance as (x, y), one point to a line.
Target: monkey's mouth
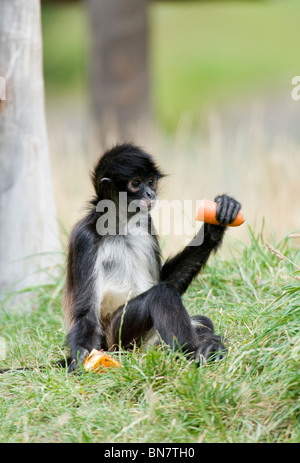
(150, 203)
(145, 205)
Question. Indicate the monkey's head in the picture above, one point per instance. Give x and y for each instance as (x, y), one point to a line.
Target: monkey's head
(126, 168)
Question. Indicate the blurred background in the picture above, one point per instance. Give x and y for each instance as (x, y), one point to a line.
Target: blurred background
(205, 86)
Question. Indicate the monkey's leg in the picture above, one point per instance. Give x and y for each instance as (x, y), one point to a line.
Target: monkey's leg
(161, 309)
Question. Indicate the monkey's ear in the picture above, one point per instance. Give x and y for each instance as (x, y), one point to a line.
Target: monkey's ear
(104, 180)
(106, 186)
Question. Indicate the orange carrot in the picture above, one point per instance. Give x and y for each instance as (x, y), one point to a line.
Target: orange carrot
(207, 213)
(99, 361)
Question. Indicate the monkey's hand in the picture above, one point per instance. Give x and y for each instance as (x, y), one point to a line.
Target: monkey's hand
(227, 210)
(77, 359)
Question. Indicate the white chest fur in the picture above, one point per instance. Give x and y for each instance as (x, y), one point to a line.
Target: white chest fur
(126, 267)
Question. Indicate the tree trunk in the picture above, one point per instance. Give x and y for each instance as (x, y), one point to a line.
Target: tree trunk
(119, 65)
(28, 224)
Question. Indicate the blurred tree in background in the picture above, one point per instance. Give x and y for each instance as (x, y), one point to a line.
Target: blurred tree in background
(119, 64)
(28, 224)
(170, 56)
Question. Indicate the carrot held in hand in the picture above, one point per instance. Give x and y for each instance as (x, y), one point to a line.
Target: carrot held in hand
(207, 213)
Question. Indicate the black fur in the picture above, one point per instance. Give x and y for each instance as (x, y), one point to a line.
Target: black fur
(156, 312)
(120, 164)
(159, 309)
(87, 332)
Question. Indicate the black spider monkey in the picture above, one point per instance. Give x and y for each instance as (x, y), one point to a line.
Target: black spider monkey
(117, 291)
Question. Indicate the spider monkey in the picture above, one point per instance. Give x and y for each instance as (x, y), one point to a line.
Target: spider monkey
(117, 291)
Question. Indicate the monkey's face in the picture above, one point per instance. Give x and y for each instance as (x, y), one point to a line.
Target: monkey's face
(127, 169)
(142, 189)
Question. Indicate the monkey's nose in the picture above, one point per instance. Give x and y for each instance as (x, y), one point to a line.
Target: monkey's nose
(150, 194)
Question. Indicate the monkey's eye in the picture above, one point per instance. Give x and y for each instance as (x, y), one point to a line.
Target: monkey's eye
(134, 185)
(152, 182)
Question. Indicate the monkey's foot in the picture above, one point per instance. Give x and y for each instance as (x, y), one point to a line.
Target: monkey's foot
(210, 349)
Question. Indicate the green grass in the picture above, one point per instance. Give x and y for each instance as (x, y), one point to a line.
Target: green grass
(251, 396)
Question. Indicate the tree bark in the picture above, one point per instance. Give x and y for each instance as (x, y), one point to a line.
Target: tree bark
(28, 224)
(119, 65)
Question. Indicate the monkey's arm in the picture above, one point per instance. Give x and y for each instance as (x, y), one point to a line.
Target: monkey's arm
(180, 270)
(83, 294)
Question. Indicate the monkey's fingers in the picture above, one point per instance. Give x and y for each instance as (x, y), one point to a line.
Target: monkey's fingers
(224, 211)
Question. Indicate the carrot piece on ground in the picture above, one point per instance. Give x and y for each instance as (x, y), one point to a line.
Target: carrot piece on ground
(99, 361)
